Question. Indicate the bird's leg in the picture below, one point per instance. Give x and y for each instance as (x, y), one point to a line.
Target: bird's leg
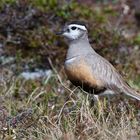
(94, 99)
(107, 95)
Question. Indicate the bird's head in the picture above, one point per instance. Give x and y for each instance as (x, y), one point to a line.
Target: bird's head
(73, 30)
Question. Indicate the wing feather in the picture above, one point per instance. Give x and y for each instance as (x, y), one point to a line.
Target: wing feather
(104, 71)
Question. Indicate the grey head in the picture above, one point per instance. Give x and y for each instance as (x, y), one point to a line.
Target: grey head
(77, 35)
(74, 30)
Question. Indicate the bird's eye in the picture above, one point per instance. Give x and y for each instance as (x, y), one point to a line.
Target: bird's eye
(73, 28)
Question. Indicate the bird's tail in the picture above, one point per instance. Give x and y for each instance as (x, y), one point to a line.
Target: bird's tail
(131, 92)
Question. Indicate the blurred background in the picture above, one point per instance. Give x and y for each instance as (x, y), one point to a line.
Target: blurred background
(32, 56)
(27, 33)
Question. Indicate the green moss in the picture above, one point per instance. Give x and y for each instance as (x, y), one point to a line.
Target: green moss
(44, 5)
(110, 11)
(136, 40)
(3, 2)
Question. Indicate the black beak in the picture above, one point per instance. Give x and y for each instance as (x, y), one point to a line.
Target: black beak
(59, 33)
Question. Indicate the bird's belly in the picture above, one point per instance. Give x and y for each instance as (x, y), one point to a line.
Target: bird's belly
(80, 74)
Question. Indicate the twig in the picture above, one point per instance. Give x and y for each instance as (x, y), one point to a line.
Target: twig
(59, 78)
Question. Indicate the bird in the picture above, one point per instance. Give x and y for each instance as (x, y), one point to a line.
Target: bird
(87, 69)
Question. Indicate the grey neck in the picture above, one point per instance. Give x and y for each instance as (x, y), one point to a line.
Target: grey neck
(79, 47)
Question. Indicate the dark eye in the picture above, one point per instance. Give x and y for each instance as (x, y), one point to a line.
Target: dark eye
(73, 28)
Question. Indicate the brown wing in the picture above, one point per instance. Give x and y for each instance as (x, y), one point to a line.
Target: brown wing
(105, 72)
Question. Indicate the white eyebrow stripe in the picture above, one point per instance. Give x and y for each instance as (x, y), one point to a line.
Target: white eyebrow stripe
(78, 26)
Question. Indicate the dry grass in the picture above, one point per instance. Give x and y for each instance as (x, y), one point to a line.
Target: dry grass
(51, 110)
